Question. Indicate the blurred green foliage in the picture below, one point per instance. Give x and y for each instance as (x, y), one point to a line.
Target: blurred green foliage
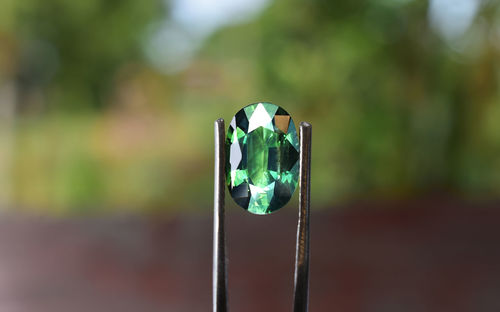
(397, 108)
(73, 49)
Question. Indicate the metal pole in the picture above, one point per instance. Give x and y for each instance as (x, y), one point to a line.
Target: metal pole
(219, 277)
(301, 286)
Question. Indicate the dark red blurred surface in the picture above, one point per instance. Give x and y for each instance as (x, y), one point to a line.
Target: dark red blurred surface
(423, 255)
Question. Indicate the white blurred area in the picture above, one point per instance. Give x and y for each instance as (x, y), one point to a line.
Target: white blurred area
(452, 18)
(174, 41)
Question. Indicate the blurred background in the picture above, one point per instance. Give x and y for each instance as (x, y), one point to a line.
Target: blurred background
(106, 152)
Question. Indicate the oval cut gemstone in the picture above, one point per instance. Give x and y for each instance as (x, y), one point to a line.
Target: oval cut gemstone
(262, 166)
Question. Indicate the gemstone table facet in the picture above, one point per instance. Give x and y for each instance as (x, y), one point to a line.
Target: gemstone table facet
(262, 166)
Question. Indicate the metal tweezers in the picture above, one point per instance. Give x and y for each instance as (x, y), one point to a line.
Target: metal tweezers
(219, 270)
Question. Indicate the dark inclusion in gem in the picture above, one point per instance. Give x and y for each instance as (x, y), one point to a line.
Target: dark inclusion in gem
(262, 166)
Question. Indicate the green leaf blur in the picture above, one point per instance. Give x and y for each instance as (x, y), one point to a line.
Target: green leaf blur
(88, 123)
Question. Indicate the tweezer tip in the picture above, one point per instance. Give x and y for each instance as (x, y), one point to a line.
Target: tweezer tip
(305, 124)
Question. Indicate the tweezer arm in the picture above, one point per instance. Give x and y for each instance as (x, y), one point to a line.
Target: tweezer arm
(301, 278)
(219, 278)
(301, 286)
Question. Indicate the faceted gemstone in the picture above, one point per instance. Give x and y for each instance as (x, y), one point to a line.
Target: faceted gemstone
(262, 166)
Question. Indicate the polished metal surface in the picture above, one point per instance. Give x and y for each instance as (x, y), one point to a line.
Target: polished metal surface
(301, 286)
(219, 270)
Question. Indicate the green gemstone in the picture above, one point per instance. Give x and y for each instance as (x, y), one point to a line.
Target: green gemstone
(262, 166)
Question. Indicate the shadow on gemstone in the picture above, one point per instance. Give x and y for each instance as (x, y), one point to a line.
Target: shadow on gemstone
(241, 195)
(242, 120)
(282, 195)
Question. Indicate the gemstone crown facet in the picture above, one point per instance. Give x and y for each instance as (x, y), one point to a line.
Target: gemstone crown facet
(262, 166)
